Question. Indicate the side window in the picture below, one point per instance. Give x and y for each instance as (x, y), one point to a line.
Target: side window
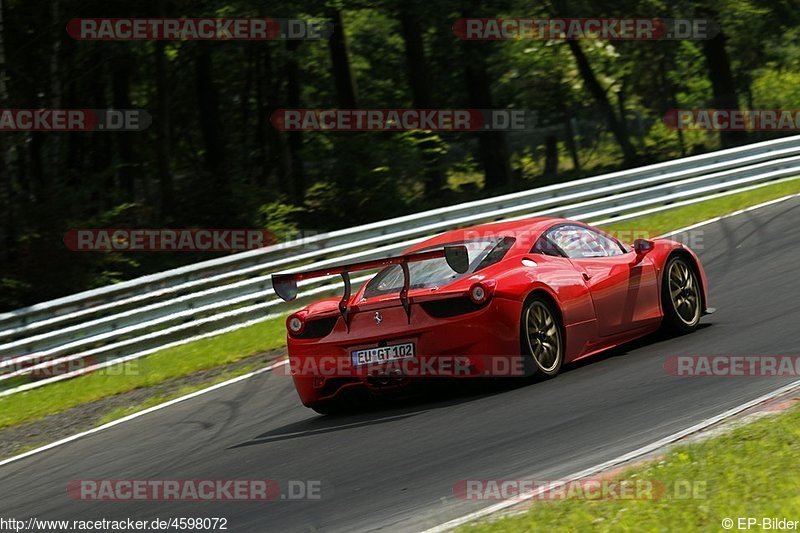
(578, 242)
(497, 253)
(545, 246)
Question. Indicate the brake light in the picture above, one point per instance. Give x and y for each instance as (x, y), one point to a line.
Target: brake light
(480, 293)
(295, 324)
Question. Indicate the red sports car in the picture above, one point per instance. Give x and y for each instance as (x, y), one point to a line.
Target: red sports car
(508, 298)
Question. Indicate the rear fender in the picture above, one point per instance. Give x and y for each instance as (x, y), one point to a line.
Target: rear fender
(557, 278)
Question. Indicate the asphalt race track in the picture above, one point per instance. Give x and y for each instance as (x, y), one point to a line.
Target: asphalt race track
(394, 468)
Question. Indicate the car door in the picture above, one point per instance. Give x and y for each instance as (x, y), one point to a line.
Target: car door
(624, 289)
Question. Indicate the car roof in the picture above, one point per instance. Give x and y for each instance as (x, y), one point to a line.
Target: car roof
(529, 228)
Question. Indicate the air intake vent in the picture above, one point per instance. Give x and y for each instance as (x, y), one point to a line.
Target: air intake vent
(450, 307)
(317, 328)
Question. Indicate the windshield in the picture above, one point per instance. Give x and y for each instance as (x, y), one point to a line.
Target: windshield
(436, 272)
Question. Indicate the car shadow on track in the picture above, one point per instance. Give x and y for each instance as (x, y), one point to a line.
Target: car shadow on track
(380, 410)
(368, 410)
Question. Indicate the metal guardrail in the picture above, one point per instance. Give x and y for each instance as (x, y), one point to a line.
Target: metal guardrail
(134, 318)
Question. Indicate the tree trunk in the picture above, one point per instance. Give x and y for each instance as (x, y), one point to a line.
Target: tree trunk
(120, 87)
(263, 79)
(623, 122)
(100, 148)
(569, 134)
(601, 98)
(492, 147)
(419, 82)
(297, 183)
(243, 140)
(273, 155)
(210, 123)
(551, 156)
(346, 91)
(56, 66)
(418, 76)
(72, 159)
(6, 204)
(722, 84)
(166, 194)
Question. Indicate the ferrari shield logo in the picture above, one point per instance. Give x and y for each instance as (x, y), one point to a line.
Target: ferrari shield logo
(378, 317)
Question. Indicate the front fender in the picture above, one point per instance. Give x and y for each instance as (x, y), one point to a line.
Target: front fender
(664, 249)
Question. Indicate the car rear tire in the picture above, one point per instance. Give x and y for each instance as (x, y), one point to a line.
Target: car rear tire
(681, 296)
(542, 340)
(324, 408)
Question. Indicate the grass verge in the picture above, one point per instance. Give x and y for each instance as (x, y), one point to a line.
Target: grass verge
(269, 335)
(680, 217)
(156, 368)
(156, 399)
(748, 472)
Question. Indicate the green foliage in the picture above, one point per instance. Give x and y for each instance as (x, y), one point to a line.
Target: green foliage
(775, 89)
(12, 292)
(279, 217)
(212, 159)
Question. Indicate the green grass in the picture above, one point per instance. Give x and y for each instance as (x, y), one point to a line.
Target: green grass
(672, 219)
(156, 368)
(156, 399)
(121, 412)
(749, 472)
(230, 347)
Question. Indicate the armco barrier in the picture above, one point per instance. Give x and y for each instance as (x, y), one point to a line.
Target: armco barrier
(131, 319)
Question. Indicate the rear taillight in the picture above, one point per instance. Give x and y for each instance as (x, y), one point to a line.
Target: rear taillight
(480, 293)
(295, 324)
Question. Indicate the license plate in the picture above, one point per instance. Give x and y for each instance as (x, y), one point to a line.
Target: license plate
(383, 354)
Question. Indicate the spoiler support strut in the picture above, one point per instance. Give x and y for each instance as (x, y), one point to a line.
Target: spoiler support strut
(343, 309)
(404, 290)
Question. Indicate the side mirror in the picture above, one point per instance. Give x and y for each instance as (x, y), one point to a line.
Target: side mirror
(642, 246)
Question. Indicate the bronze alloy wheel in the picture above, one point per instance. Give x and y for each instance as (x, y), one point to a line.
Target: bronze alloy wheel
(544, 337)
(684, 292)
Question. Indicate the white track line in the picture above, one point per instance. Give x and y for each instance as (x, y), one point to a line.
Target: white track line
(281, 363)
(143, 412)
(644, 450)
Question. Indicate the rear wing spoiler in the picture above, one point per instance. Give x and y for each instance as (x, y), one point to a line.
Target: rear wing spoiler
(285, 285)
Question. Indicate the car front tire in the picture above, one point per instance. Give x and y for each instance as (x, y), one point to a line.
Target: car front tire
(681, 296)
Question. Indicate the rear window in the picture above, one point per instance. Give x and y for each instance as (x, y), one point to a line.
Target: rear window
(436, 272)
